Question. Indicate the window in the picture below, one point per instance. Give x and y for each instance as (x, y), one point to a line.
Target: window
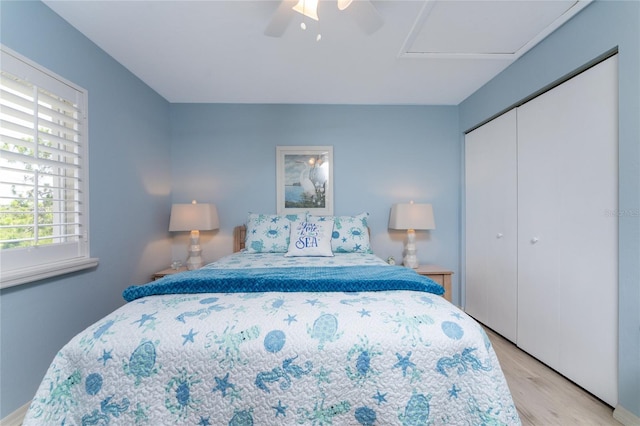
(43, 173)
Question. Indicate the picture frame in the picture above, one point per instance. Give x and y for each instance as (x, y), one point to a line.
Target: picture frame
(304, 179)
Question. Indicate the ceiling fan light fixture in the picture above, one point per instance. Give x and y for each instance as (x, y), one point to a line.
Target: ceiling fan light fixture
(308, 8)
(343, 4)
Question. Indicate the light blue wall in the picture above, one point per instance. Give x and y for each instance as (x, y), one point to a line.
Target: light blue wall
(602, 26)
(129, 154)
(226, 154)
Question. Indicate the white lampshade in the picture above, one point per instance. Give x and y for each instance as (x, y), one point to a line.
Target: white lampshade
(193, 217)
(412, 216)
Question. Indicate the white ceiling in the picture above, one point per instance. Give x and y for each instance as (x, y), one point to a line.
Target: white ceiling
(428, 52)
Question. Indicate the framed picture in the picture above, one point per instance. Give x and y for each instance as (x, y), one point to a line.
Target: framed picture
(304, 179)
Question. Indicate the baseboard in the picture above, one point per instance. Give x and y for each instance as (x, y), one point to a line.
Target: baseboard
(16, 418)
(625, 416)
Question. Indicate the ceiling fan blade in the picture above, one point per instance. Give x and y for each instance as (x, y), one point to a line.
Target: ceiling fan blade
(280, 19)
(366, 15)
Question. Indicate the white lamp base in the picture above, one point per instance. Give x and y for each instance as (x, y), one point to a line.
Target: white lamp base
(410, 259)
(194, 261)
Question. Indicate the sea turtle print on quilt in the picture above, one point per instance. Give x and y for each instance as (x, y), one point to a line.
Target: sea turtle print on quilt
(383, 358)
(390, 357)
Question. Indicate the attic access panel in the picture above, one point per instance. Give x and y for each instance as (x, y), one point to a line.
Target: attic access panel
(494, 29)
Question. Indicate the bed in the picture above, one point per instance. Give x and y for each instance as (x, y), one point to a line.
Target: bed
(261, 338)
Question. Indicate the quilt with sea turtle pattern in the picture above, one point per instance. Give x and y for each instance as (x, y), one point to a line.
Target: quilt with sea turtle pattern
(396, 357)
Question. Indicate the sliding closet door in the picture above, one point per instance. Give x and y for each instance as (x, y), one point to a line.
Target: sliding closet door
(491, 224)
(567, 245)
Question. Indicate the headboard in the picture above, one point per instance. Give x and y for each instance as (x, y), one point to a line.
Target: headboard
(240, 234)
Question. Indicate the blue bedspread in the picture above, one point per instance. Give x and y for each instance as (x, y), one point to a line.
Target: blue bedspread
(310, 279)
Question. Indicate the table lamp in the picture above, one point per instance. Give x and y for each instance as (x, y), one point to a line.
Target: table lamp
(194, 217)
(412, 217)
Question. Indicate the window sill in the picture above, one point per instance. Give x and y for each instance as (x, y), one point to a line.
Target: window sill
(27, 275)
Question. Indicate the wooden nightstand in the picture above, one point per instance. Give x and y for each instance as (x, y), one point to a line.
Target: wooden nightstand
(168, 271)
(440, 275)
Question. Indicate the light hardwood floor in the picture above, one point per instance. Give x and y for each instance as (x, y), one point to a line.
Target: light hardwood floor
(544, 397)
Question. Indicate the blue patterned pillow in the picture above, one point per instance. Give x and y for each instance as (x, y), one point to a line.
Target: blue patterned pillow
(350, 233)
(269, 233)
(310, 239)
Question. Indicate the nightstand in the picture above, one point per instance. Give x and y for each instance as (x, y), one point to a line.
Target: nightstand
(168, 271)
(440, 275)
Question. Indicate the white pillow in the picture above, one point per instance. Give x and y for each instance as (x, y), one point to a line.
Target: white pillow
(310, 239)
(350, 233)
(269, 233)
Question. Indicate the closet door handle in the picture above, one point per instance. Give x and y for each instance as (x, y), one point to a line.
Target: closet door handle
(500, 235)
(534, 240)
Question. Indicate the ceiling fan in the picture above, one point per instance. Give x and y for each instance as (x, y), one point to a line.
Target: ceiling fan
(363, 13)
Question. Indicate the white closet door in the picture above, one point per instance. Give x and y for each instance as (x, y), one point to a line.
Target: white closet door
(568, 246)
(491, 224)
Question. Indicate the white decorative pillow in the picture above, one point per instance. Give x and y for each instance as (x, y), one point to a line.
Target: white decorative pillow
(269, 233)
(350, 233)
(310, 239)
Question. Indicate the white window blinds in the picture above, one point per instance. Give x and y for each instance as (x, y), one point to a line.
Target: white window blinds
(43, 165)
